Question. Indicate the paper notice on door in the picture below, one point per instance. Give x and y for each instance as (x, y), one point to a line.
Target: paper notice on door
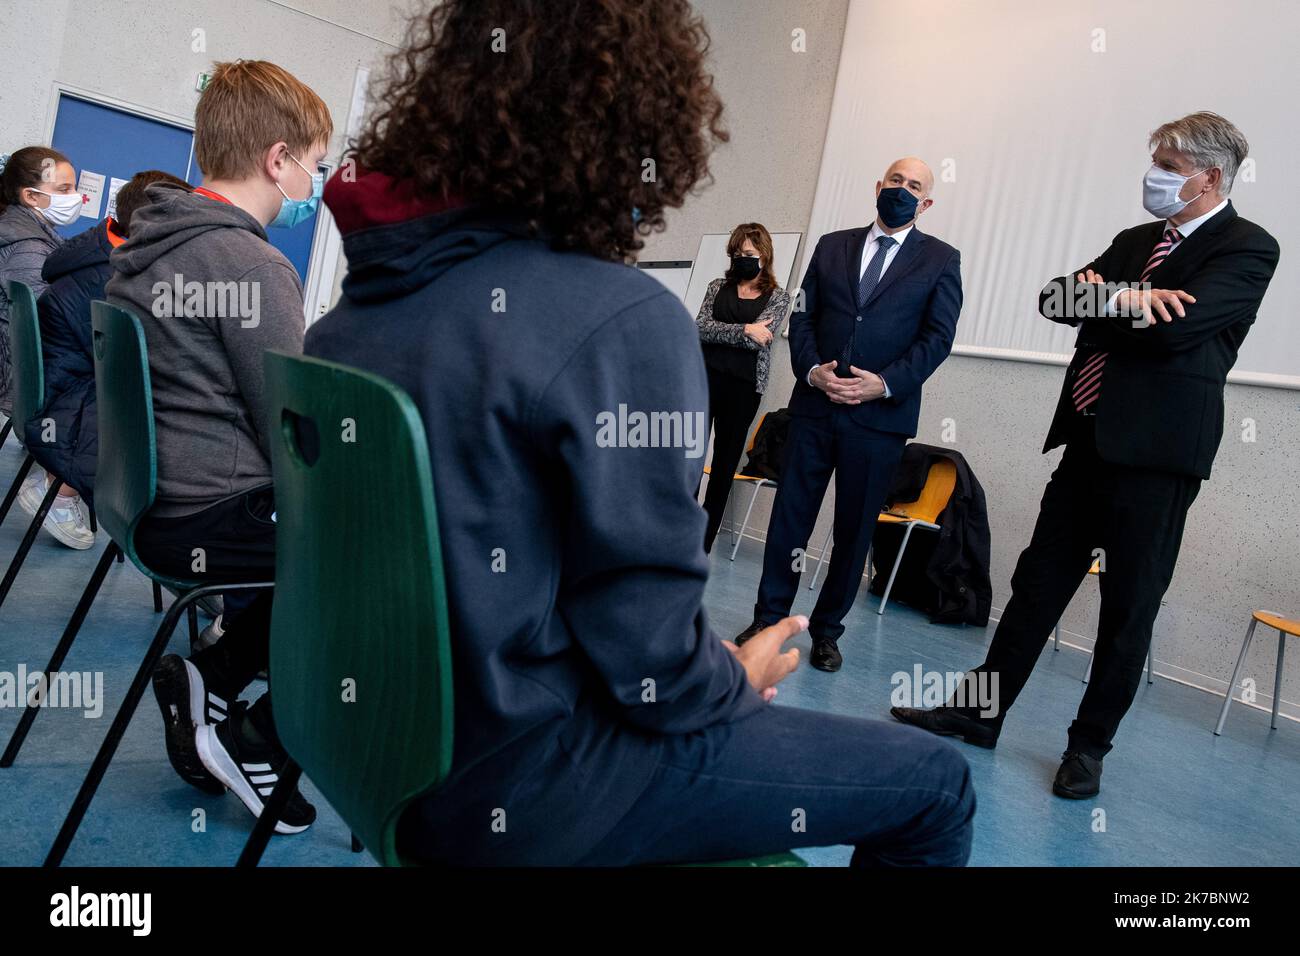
(92, 187)
(114, 185)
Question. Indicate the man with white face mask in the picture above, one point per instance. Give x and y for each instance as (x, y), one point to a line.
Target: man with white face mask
(1140, 415)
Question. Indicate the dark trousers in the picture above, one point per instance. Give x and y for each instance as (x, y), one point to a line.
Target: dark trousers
(864, 462)
(1136, 518)
(785, 778)
(732, 405)
(236, 541)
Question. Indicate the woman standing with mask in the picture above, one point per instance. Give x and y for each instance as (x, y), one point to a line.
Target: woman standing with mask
(740, 317)
(38, 191)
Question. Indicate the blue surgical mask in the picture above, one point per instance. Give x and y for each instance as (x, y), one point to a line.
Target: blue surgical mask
(1160, 189)
(295, 211)
(896, 206)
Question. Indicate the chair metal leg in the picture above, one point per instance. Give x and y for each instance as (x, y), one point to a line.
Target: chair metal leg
(356, 844)
(29, 538)
(192, 615)
(731, 521)
(121, 559)
(120, 722)
(745, 524)
(1088, 673)
(893, 572)
(157, 598)
(1277, 678)
(60, 651)
(4, 432)
(821, 557)
(94, 525)
(1056, 636)
(17, 485)
(270, 816)
(1245, 646)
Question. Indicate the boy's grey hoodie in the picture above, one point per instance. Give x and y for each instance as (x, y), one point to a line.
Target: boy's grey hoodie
(212, 295)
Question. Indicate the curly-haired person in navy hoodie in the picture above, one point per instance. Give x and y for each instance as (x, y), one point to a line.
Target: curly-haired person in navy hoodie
(498, 195)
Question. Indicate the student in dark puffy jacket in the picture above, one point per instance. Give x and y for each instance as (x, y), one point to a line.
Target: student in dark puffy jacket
(63, 438)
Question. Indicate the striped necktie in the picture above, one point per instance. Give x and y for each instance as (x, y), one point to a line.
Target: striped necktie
(871, 276)
(1087, 384)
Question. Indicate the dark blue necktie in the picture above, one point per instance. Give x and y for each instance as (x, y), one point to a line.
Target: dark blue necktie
(870, 278)
(877, 265)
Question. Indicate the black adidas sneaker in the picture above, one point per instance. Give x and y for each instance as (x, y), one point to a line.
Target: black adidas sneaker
(186, 706)
(250, 772)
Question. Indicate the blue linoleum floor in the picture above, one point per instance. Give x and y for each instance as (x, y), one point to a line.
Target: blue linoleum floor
(1173, 794)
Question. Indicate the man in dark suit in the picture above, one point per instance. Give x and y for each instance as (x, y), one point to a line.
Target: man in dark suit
(1161, 315)
(878, 314)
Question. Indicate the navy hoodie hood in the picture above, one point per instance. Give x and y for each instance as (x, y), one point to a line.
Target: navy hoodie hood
(397, 241)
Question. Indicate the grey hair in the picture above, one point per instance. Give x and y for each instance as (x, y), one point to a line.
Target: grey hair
(1210, 140)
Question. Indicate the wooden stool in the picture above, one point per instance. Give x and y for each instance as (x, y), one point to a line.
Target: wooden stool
(1284, 627)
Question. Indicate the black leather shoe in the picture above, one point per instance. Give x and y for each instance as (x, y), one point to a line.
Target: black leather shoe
(1079, 777)
(825, 655)
(747, 633)
(948, 722)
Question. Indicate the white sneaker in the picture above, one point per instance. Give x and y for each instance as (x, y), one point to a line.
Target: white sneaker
(67, 521)
(33, 490)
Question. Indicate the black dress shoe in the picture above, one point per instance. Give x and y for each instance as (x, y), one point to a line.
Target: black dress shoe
(1079, 777)
(948, 722)
(825, 655)
(747, 633)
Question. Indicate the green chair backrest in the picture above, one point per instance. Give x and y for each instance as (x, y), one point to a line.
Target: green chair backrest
(360, 644)
(126, 475)
(28, 369)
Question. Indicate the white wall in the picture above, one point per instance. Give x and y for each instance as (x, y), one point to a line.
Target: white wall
(143, 51)
(777, 101)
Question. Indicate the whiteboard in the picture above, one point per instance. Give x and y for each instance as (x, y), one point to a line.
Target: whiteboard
(711, 262)
(675, 276)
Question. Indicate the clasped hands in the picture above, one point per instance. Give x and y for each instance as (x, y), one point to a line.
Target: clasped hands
(863, 387)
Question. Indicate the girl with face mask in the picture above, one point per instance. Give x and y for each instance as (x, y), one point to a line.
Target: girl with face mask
(38, 191)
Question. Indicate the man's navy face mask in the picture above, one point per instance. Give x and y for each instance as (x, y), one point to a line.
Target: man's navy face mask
(897, 206)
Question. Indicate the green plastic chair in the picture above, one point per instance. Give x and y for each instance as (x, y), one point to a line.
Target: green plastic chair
(27, 371)
(25, 353)
(28, 393)
(360, 642)
(126, 482)
(29, 401)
